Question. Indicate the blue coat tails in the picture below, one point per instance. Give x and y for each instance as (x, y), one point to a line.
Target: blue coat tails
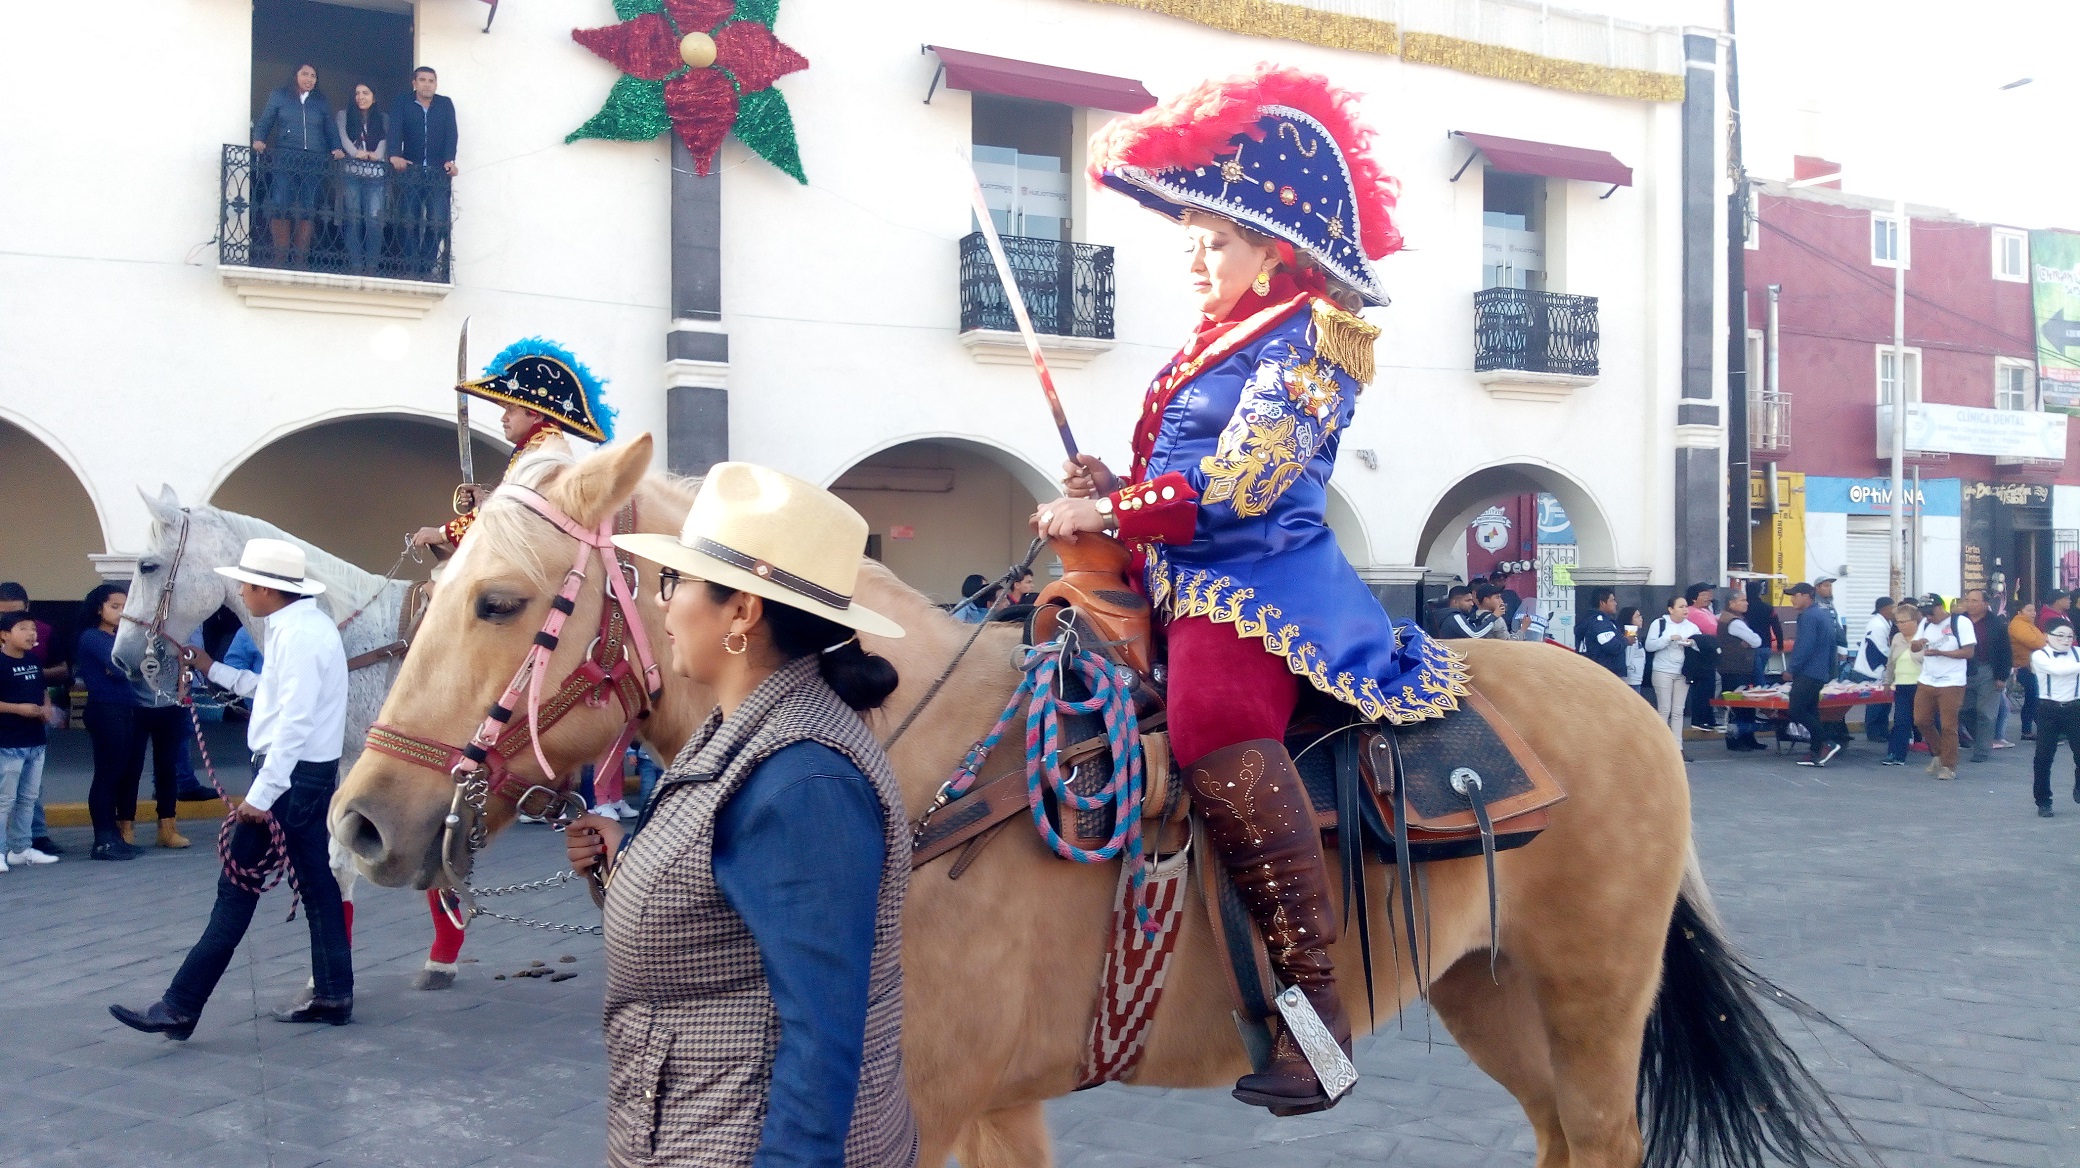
(1228, 498)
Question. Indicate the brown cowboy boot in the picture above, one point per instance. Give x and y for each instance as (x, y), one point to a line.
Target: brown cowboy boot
(1262, 823)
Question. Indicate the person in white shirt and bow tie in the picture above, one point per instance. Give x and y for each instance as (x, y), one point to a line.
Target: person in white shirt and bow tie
(2057, 669)
(298, 723)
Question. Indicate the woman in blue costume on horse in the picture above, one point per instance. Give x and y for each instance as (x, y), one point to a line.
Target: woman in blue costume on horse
(1284, 212)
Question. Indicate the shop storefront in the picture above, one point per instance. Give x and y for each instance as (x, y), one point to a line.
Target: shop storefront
(2010, 542)
(1847, 521)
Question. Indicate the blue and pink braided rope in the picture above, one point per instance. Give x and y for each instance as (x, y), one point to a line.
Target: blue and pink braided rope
(1038, 698)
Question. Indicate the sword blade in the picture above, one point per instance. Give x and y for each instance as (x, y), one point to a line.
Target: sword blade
(464, 448)
(1018, 311)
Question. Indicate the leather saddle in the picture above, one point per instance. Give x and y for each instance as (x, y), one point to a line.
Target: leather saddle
(1419, 793)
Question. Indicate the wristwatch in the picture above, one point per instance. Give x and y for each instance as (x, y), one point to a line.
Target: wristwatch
(1104, 505)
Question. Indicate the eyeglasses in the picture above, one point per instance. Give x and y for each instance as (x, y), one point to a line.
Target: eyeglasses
(667, 583)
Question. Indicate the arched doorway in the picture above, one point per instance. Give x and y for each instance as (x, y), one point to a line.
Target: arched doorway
(54, 516)
(1534, 530)
(941, 509)
(357, 486)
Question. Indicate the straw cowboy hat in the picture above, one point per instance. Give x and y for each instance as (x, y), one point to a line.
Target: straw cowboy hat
(273, 563)
(772, 535)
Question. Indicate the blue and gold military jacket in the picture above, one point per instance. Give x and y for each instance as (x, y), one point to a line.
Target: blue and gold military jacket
(1227, 497)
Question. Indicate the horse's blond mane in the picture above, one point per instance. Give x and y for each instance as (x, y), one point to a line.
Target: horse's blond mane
(511, 533)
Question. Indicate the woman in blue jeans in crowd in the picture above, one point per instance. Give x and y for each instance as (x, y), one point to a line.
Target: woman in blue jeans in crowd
(364, 134)
(295, 134)
(1903, 674)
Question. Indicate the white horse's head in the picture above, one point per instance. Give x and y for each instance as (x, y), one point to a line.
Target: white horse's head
(196, 591)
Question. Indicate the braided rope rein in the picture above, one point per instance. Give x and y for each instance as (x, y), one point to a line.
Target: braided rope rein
(1038, 697)
(273, 865)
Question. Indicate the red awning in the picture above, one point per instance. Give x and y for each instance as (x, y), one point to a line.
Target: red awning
(977, 73)
(1544, 158)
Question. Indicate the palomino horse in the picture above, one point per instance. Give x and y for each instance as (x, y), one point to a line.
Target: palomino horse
(1614, 996)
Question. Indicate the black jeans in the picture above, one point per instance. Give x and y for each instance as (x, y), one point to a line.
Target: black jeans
(2055, 720)
(2027, 679)
(301, 812)
(112, 729)
(1805, 710)
(161, 728)
(420, 225)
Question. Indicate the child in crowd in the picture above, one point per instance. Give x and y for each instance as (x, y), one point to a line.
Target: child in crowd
(25, 715)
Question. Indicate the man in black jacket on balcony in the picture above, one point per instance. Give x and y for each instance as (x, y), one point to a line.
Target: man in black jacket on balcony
(424, 124)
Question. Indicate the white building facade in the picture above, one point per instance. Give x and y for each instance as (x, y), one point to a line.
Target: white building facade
(137, 354)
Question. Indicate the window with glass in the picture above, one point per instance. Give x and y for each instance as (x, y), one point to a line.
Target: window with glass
(2012, 388)
(1513, 231)
(1886, 243)
(2011, 255)
(1022, 157)
(1889, 375)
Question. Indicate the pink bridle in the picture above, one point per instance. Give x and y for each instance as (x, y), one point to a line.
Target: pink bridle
(482, 768)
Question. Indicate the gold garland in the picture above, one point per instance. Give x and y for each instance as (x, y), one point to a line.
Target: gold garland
(1431, 48)
(1362, 34)
(1286, 22)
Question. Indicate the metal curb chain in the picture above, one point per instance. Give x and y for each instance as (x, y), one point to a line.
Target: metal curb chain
(556, 881)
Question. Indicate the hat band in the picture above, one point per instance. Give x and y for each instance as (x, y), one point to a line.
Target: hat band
(272, 575)
(766, 571)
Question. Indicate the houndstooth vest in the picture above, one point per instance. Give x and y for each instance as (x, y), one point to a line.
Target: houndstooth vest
(690, 1024)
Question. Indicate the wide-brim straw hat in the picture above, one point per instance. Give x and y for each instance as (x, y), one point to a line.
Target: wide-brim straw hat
(754, 529)
(274, 563)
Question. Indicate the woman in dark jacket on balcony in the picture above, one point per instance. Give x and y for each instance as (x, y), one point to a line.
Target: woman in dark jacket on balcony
(364, 133)
(296, 127)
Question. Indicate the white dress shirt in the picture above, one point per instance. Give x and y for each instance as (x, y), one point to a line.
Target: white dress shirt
(299, 702)
(2058, 674)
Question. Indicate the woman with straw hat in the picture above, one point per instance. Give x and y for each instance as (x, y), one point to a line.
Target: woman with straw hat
(753, 919)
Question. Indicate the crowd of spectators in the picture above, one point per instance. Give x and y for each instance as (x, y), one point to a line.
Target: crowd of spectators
(358, 189)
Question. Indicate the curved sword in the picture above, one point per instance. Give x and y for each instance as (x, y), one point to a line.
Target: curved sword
(1018, 310)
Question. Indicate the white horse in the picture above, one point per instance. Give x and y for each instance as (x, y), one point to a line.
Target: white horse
(215, 538)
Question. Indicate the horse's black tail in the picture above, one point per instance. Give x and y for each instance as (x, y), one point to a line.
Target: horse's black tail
(1718, 1085)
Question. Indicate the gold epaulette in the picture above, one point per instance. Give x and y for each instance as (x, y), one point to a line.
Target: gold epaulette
(1344, 340)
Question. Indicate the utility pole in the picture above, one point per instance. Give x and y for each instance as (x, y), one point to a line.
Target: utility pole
(1739, 521)
(1900, 240)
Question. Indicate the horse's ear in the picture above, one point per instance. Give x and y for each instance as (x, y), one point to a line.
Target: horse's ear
(597, 486)
(165, 506)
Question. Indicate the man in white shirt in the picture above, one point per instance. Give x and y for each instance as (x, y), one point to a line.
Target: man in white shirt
(1945, 640)
(1869, 664)
(2057, 669)
(297, 726)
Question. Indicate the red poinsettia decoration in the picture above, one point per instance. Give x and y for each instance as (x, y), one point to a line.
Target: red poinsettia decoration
(701, 68)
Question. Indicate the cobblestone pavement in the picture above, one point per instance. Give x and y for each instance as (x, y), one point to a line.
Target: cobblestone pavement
(1936, 919)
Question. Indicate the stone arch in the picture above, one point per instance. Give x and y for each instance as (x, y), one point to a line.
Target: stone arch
(1348, 522)
(940, 507)
(314, 478)
(48, 498)
(1458, 504)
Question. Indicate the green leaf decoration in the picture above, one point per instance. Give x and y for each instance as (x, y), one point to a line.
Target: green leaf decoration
(634, 112)
(765, 124)
(630, 9)
(764, 12)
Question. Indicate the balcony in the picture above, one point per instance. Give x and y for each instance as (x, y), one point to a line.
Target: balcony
(1769, 421)
(1534, 346)
(303, 231)
(1068, 292)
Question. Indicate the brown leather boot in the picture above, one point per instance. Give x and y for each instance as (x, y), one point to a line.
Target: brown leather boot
(170, 835)
(1262, 824)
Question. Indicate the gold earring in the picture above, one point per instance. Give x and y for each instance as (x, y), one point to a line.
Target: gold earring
(744, 644)
(1262, 284)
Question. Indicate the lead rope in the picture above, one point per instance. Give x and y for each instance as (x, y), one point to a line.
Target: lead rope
(273, 864)
(1037, 697)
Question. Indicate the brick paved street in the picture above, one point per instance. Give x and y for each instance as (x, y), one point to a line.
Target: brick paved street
(1938, 920)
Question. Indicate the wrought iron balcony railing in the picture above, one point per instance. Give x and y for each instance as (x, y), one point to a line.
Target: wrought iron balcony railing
(307, 211)
(1535, 332)
(1067, 286)
(1769, 421)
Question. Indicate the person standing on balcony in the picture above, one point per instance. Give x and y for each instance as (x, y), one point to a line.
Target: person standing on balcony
(423, 154)
(296, 130)
(364, 133)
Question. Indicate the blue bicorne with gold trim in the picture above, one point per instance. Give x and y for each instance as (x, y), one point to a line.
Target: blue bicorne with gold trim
(547, 378)
(1228, 501)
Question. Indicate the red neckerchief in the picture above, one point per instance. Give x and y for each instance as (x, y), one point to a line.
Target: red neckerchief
(1211, 341)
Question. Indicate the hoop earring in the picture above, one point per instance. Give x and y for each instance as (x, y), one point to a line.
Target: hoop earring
(744, 644)
(1262, 284)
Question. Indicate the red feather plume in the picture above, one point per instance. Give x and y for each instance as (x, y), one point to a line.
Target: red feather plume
(1196, 126)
